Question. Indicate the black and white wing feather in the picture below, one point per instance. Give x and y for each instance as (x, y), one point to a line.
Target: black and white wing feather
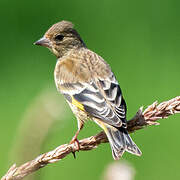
(87, 81)
(101, 99)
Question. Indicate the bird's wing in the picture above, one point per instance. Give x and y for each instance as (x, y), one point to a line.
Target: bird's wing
(99, 95)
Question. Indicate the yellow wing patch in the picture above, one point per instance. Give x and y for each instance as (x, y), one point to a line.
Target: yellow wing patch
(77, 104)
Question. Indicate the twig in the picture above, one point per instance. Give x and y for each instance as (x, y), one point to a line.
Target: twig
(43, 111)
(153, 113)
(147, 118)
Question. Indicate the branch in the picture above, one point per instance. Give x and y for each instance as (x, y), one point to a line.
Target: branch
(142, 119)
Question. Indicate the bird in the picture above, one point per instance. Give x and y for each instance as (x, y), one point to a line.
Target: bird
(89, 86)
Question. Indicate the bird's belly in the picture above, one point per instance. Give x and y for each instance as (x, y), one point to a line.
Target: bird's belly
(80, 114)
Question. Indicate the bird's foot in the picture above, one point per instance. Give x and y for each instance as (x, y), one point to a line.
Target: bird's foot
(76, 143)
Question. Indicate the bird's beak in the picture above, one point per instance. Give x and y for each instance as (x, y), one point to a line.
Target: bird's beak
(43, 42)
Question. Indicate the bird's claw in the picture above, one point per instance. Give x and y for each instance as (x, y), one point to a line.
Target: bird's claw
(76, 143)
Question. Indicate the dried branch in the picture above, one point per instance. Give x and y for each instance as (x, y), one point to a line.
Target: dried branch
(43, 111)
(142, 119)
(153, 113)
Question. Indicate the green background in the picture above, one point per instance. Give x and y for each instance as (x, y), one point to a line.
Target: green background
(139, 39)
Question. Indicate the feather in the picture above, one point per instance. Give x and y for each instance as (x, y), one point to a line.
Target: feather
(93, 88)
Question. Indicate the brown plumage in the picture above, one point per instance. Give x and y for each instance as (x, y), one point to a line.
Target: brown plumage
(89, 86)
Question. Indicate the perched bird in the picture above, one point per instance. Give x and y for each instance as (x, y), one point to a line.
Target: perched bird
(89, 86)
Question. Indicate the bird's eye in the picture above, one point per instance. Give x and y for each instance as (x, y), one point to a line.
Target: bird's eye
(59, 37)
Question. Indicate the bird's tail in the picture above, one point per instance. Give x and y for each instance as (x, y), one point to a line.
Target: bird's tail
(120, 142)
(119, 139)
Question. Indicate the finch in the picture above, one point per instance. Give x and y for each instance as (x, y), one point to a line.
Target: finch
(89, 86)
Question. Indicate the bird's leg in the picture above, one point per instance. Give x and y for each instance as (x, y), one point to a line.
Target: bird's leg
(74, 139)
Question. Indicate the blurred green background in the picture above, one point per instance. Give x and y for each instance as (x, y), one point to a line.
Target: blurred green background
(139, 39)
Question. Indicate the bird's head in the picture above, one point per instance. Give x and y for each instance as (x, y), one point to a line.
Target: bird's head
(61, 38)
